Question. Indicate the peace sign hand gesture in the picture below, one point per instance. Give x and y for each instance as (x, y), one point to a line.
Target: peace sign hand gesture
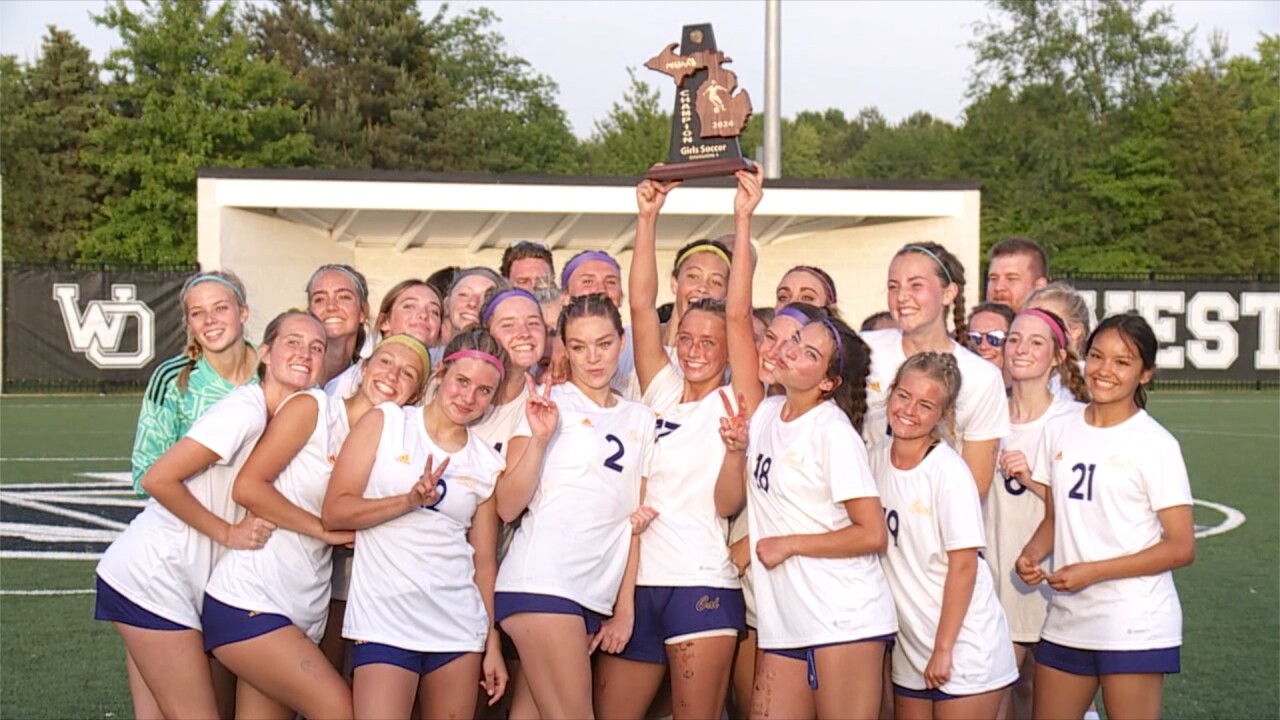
(541, 411)
(733, 427)
(426, 492)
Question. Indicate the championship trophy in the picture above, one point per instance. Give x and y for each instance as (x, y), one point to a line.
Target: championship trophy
(710, 113)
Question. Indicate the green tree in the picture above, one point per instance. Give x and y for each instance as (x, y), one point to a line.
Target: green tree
(1220, 215)
(506, 115)
(367, 79)
(635, 134)
(50, 192)
(1257, 81)
(1113, 53)
(186, 92)
(1065, 126)
(920, 147)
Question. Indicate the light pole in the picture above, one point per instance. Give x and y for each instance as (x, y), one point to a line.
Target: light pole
(773, 88)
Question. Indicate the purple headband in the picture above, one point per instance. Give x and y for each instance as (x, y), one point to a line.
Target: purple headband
(478, 355)
(822, 278)
(582, 257)
(835, 335)
(1058, 333)
(793, 313)
(505, 295)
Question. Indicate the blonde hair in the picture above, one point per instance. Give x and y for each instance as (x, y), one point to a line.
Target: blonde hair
(940, 366)
(194, 350)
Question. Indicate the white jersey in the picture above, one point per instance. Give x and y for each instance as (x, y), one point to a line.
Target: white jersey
(982, 409)
(290, 575)
(686, 545)
(931, 510)
(1011, 514)
(496, 429)
(739, 528)
(800, 473)
(500, 422)
(1109, 485)
(575, 535)
(162, 564)
(1062, 391)
(625, 379)
(413, 580)
(346, 383)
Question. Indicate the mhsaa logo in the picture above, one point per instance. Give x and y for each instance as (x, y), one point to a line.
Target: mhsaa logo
(98, 331)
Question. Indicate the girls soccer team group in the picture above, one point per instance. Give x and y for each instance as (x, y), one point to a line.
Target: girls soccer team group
(504, 488)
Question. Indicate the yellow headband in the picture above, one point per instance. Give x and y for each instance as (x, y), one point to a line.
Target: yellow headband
(413, 344)
(702, 248)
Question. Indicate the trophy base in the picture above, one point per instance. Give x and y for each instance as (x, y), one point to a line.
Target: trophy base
(698, 169)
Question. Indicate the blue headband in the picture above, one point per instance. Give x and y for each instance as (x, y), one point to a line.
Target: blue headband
(930, 253)
(793, 313)
(364, 291)
(505, 295)
(835, 335)
(195, 280)
(582, 257)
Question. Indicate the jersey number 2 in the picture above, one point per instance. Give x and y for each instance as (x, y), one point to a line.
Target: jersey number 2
(611, 462)
(1086, 479)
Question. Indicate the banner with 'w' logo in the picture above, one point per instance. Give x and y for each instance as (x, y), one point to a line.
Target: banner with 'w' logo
(88, 329)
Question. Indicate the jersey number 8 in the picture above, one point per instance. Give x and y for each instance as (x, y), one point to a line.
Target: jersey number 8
(761, 472)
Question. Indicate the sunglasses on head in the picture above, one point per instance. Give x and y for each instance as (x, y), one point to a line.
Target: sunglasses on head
(995, 338)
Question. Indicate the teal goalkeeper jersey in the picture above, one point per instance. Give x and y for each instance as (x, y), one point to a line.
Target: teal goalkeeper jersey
(167, 412)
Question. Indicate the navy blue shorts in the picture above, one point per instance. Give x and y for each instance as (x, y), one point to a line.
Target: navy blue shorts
(935, 695)
(806, 654)
(225, 624)
(664, 613)
(422, 663)
(111, 606)
(506, 604)
(1108, 662)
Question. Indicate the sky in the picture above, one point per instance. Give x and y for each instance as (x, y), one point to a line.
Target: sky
(899, 56)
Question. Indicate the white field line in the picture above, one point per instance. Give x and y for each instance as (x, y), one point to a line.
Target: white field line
(1226, 433)
(61, 459)
(57, 487)
(26, 502)
(56, 533)
(1234, 519)
(44, 593)
(98, 499)
(38, 555)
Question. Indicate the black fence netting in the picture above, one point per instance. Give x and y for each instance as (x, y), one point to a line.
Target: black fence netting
(98, 327)
(102, 327)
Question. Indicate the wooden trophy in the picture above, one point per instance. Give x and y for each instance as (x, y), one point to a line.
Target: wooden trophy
(710, 113)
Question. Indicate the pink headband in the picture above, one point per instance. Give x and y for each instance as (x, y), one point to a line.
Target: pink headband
(1058, 333)
(479, 355)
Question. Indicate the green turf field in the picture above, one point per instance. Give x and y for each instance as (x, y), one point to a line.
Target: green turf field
(56, 662)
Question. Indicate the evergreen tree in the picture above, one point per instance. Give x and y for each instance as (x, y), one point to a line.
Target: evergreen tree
(50, 192)
(1219, 216)
(366, 78)
(506, 116)
(186, 93)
